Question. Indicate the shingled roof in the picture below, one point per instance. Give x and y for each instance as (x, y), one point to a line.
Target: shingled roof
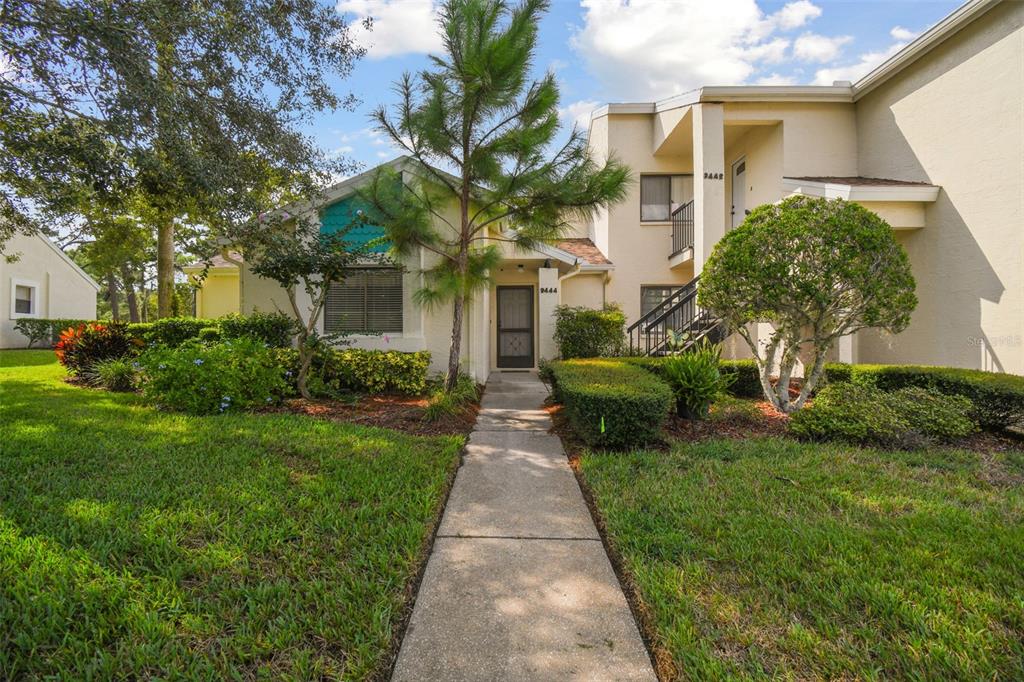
(583, 249)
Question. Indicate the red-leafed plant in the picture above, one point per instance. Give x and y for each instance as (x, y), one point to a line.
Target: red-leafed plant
(81, 347)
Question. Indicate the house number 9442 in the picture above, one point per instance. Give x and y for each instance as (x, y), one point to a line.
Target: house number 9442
(714, 176)
(549, 290)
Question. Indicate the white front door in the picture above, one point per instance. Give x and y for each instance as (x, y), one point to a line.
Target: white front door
(739, 192)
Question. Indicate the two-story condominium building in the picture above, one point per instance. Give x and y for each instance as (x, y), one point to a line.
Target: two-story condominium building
(932, 140)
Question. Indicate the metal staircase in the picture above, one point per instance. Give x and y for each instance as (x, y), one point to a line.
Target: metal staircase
(679, 313)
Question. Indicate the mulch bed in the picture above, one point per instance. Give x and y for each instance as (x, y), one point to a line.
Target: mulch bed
(399, 412)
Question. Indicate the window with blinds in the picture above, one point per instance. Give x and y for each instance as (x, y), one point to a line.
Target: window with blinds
(662, 194)
(368, 301)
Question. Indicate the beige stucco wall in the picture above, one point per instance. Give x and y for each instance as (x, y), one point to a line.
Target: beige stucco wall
(62, 291)
(583, 290)
(955, 118)
(219, 295)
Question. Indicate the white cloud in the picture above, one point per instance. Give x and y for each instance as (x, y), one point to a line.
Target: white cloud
(643, 49)
(813, 47)
(857, 70)
(578, 113)
(776, 79)
(796, 14)
(399, 26)
(902, 34)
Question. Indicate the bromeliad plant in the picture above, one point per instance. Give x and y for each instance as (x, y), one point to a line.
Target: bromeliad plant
(696, 379)
(83, 346)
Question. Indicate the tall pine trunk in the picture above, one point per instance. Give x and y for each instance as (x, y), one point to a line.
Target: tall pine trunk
(165, 267)
(115, 304)
(455, 349)
(129, 293)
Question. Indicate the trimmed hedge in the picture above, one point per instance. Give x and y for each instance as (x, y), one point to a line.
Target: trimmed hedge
(611, 403)
(37, 329)
(997, 400)
(361, 371)
(747, 382)
(908, 417)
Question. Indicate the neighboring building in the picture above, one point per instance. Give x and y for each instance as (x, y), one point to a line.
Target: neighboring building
(218, 281)
(931, 140)
(43, 282)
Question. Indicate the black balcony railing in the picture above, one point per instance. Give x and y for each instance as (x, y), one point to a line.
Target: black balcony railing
(682, 229)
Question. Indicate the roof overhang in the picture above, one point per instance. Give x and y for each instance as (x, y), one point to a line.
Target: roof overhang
(953, 22)
(866, 192)
(67, 259)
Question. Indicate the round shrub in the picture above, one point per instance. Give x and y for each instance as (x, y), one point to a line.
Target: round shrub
(81, 347)
(206, 379)
(588, 333)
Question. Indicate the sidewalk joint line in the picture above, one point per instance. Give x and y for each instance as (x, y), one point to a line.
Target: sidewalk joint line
(516, 537)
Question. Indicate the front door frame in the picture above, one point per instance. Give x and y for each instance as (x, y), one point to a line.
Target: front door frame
(737, 220)
(508, 362)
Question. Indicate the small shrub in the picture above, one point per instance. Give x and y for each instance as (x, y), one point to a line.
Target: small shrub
(746, 378)
(117, 374)
(83, 346)
(997, 400)
(695, 379)
(444, 403)
(377, 371)
(210, 335)
(273, 329)
(942, 417)
(206, 379)
(866, 415)
(588, 333)
(174, 331)
(612, 403)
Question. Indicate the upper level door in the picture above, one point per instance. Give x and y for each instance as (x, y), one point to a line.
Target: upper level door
(739, 192)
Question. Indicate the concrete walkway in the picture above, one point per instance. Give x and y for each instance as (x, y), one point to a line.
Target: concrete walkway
(518, 586)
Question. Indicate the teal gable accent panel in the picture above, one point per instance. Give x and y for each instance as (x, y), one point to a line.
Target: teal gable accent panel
(340, 214)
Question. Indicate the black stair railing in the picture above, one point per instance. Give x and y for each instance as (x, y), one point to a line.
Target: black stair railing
(682, 228)
(678, 313)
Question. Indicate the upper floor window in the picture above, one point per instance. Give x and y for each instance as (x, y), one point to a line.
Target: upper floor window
(368, 301)
(662, 194)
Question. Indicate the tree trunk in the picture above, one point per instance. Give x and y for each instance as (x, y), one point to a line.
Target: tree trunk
(129, 294)
(165, 267)
(115, 304)
(456, 348)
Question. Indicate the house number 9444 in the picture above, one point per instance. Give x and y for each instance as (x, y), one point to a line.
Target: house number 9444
(714, 176)
(549, 290)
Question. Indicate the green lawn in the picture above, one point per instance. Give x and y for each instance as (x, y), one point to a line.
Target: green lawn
(770, 558)
(139, 544)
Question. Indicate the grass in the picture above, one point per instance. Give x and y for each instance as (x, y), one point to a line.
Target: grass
(766, 558)
(140, 544)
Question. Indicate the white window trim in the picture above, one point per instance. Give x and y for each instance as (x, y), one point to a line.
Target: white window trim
(18, 282)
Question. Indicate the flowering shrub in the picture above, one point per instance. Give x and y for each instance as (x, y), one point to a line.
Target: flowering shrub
(207, 379)
(79, 348)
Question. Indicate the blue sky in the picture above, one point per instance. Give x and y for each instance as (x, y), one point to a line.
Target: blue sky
(638, 50)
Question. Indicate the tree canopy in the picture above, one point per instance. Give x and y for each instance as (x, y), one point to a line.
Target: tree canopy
(816, 270)
(194, 106)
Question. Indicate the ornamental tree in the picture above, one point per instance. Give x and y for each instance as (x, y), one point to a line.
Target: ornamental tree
(477, 113)
(814, 269)
(294, 254)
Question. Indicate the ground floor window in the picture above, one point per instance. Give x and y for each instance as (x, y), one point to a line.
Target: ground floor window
(24, 297)
(368, 301)
(652, 297)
